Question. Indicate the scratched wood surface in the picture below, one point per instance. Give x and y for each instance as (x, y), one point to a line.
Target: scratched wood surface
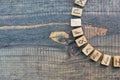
(27, 52)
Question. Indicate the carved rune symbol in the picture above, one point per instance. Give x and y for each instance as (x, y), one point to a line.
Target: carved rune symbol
(87, 50)
(106, 60)
(77, 32)
(81, 41)
(94, 56)
(76, 11)
(81, 1)
(117, 61)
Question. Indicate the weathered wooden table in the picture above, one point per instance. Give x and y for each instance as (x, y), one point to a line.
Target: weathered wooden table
(27, 52)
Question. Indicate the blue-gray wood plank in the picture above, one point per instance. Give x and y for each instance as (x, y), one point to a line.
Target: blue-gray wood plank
(23, 56)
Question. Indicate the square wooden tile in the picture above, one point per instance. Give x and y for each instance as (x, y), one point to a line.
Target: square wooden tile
(81, 41)
(87, 49)
(116, 61)
(80, 2)
(76, 22)
(95, 56)
(77, 32)
(106, 60)
(76, 12)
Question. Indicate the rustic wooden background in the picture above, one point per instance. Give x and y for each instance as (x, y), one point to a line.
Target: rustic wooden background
(27, 52)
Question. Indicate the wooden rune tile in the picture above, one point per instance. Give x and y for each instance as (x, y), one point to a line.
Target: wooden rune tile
(76, 12)
(81, 41)
(81, 3)
(106, 60)
(116, 61)
(76, 22)
(87, 49)
(77, 32)
(95, 56)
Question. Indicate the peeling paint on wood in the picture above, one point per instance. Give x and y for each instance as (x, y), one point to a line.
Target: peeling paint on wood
(92, 31)
(59, 37)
